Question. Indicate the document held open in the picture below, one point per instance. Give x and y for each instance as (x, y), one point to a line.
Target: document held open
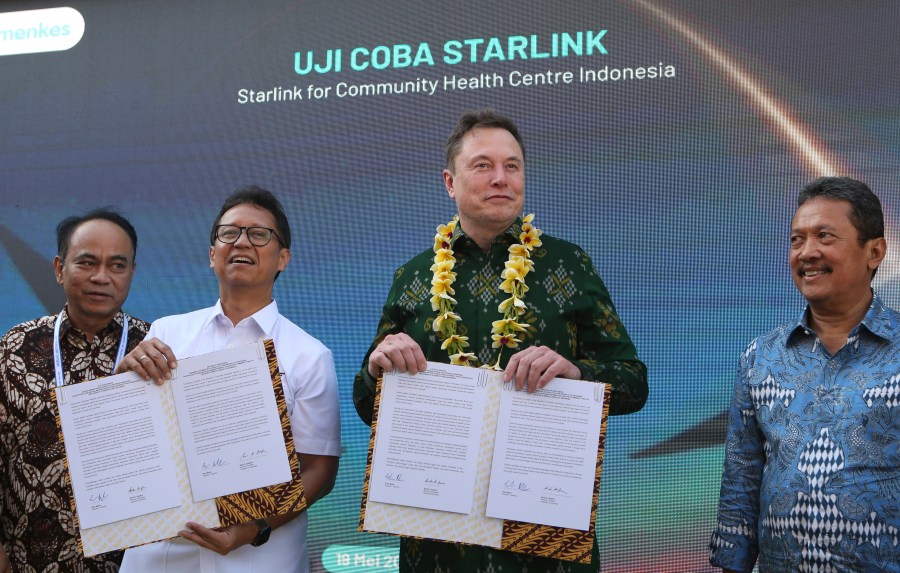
(457, 455)
(213, 445)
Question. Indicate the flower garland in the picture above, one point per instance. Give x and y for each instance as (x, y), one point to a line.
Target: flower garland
(504, 332)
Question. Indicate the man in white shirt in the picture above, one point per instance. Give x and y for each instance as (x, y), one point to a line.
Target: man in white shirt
(249, 247)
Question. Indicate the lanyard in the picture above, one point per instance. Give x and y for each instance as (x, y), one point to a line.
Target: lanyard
(57, 350)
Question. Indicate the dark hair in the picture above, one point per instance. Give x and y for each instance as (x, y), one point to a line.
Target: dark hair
(865, 208)
(67, 227)
(475, 119)
(253, 195)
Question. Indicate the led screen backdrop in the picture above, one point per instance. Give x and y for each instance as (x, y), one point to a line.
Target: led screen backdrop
(668, 139)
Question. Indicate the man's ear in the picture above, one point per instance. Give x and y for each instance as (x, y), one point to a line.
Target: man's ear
(877, 251)
(448, 183)
(58, 269)
(284, 257)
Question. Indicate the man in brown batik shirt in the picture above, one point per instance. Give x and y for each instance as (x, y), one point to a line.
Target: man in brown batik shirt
(95, 266)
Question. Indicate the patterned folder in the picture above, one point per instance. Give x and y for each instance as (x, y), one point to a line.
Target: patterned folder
(223, 511)
(476, 528)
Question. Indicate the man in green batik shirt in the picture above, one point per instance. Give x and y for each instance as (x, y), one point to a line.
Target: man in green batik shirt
(571, 330)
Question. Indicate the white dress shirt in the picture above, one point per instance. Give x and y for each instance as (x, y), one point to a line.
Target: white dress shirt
(310, 389)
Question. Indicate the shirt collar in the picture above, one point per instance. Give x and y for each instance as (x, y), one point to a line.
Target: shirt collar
(66, 324)
(513, 231)
(265, 318)
(877, 321)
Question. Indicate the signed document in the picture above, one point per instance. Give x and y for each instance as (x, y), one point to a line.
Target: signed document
(212, 446)
(427, 450)
(120, 461)
(545, 454)
(229, 422)
(457, 455)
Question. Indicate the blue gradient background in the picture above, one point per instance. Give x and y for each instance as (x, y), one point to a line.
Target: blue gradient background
(679, 188)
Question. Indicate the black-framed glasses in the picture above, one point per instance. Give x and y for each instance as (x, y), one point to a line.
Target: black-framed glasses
(258, 236)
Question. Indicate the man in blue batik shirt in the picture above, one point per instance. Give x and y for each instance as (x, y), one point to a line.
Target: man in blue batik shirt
(811, 479)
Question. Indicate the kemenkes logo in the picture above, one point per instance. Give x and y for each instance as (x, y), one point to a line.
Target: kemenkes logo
(46, 30)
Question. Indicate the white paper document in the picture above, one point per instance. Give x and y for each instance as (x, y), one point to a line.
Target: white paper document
(429, 430)
(229, 422)
(545, 454)
(128, 457)
(119, 458)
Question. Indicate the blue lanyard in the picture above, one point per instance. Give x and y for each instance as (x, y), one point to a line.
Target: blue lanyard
(57, 350)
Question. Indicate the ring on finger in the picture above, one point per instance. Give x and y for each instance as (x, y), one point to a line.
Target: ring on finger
(141, 357)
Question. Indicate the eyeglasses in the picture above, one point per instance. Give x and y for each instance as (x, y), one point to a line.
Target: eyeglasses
(258, 236)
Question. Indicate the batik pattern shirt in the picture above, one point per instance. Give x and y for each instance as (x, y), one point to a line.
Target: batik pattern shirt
(37, 527)
(568, 310)
(811, 478)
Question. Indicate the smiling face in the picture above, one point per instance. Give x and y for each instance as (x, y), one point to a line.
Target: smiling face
(830, 267)
(96, 273)
(488, 182)
(242, 265)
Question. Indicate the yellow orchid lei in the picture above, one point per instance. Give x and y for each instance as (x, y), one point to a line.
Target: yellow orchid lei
(504, 331)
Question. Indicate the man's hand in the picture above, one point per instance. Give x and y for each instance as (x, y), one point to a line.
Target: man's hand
(5, 565)
(397, 352)
(535, 366)
(222, 540)
(152, 358)
(318, 474)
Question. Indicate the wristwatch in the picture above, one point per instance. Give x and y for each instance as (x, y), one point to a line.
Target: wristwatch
(265, 530)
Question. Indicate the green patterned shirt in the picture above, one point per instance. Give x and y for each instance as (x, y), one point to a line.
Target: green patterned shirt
(568, 310)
